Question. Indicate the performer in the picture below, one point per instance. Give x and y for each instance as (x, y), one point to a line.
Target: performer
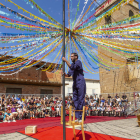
(79, 85)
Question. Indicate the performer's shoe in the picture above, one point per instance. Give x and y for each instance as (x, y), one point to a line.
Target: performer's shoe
(78, 120)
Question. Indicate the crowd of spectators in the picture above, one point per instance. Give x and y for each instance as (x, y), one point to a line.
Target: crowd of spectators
(31, 107)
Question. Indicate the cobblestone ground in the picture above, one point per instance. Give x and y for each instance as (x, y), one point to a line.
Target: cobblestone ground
(126, 128)
(15, 136)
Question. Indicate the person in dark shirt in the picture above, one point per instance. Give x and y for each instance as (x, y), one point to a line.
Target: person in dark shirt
(79, 85)
(31, 103)
(109, 98)
(31, 111)
(124, 97)
(14, 102)
(116, 96)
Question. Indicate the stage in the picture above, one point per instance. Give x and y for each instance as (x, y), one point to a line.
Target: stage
(96, 127)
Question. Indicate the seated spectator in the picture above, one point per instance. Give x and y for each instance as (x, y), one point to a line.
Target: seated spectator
(99, 110)
(47, 113)
(48, 108)
(86, 102)
(0, 105)
(42, 111)
(27, 99)
(38, 103)
(14, 112)
(20, 102)
(109, 99)
(8, 98)
(39, 111)
(103, 110)
(53, 110)
(95, 97)
(91, 97)
(25, 111)
(20, 113)
(14, 102)
(13, 97)
(18, 98)
(87, 110)
(118, 99)
(124, 97)
(57, 110)
(118, 110)
(23, 98)
(102, 101)
(116, 96)
(106, 103)
(137, 98)
(108, 110)
(7, 116)
(31, 111)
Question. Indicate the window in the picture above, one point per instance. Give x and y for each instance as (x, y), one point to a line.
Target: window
(45, 91)
(14, 90)
(130, 15)
(108, 19)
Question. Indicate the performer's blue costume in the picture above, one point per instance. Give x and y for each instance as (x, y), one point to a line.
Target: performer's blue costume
(79, 87)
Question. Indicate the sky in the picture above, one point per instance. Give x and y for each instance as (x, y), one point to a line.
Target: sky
(55, 10)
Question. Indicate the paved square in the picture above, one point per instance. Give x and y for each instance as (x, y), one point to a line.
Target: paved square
(125, 128)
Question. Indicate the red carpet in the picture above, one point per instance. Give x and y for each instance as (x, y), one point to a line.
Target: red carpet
(49, 122)
(56, 133)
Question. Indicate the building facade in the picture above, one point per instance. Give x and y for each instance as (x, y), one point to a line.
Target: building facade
(92, 87)
(125, 79)
(32, 81)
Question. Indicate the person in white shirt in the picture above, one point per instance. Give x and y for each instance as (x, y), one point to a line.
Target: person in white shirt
(20, 102)
(20, 113)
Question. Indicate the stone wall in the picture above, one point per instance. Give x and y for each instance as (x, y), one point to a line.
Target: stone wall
(118, 80)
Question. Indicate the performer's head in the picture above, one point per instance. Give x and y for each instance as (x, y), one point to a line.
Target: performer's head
(74, 57)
